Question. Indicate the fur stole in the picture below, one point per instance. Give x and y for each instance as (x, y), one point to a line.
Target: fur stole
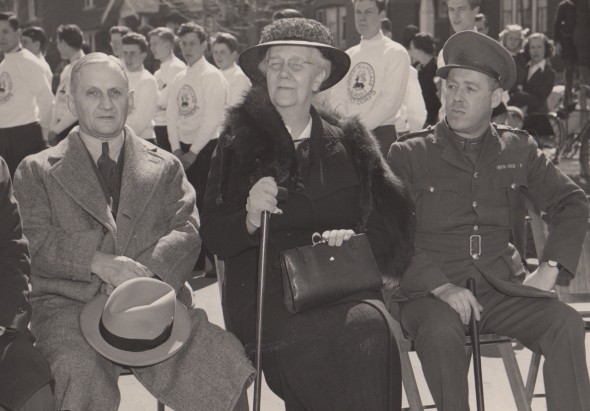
(255, 137)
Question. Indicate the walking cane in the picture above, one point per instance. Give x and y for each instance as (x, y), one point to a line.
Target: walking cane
(264, 220)
(474, 331)
(262, 258)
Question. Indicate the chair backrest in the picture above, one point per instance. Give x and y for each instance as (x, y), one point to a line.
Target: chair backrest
(578, 289)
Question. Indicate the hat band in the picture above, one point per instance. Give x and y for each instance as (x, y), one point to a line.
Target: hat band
(484, 68)
(134, 344)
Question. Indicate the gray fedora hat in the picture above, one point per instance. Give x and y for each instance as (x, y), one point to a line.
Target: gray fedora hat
(296, 32)
(141, 323)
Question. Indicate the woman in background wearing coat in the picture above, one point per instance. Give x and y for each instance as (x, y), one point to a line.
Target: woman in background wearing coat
(336, 357)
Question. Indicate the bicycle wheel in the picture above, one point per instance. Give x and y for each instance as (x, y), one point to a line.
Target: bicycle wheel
(584, 140)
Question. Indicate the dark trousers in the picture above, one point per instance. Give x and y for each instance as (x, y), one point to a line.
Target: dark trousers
(18, 142)
(25, 377)
(543, 325)
(386, 136)
(197, 174)
(162, 138)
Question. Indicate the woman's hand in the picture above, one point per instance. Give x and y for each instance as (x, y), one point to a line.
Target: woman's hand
(337, 237)
(262, 197)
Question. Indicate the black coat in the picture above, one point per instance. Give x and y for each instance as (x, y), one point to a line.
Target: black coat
(426, 75)
(22, 368)
(535, 91)
(345, 183)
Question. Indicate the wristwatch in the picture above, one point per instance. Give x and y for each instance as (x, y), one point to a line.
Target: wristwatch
(553, 263)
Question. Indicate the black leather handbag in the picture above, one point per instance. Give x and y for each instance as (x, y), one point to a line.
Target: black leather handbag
(318, 274)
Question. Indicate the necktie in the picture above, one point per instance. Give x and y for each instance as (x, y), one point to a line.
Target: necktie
(107, 168)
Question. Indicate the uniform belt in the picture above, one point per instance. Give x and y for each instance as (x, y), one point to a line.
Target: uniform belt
(472, 245)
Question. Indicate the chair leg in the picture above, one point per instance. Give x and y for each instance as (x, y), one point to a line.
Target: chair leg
(408, 377)
(161, 406)
(514, 377)
(409, 381)
(531, 380)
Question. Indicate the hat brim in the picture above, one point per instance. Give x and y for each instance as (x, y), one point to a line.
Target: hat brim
(89, 321)
(443, 71)
(250, 60)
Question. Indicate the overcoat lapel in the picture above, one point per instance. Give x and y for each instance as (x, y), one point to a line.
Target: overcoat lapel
(77, 178)
(142, 171)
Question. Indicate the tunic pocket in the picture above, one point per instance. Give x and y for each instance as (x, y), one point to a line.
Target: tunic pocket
(435, 202)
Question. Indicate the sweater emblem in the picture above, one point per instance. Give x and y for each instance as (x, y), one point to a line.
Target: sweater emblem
(5, 87)
(361, 83)
(187, 101)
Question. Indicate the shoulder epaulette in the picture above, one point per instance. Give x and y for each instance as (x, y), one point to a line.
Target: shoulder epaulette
(420, 133)
(502, 128)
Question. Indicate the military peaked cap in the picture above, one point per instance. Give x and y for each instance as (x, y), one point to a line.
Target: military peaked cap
(475, 51)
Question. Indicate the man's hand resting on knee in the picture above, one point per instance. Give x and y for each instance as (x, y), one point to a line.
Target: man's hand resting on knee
(114, 269)
(460, 299)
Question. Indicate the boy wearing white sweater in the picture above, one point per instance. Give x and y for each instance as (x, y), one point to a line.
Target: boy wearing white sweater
(375, 85)
(196, 109)
(144, 87)
(25, 97)
(162, 46)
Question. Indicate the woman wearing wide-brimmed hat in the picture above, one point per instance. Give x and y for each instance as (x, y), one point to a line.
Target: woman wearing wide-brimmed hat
(335, 357)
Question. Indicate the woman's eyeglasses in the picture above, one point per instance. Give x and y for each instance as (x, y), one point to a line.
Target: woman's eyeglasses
(295, 64)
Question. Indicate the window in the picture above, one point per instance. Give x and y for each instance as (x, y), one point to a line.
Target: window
(542, 7)
(90, 36)
(507, 13)
(32, 10)
(523, 13)
(89, 4)
(334, 18)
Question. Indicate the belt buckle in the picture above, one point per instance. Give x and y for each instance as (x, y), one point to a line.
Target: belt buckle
(475, 246)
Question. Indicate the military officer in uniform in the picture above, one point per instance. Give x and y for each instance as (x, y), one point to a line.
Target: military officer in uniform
(468, 178)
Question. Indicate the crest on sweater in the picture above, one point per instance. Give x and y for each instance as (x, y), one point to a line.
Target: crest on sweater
(5, 87)
(361, 83)
(187, 101)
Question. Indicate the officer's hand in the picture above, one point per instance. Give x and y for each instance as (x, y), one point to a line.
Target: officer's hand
(460, 299)
(543, 278)
(114, 269)
(188, 159)
(337, 237)
(262, 197)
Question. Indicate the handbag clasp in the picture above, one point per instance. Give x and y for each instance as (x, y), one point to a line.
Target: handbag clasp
(316, 238)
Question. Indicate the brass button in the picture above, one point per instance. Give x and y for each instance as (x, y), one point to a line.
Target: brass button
(431, 189)
(475, 175)
(475, 227)
(513, 186)
(474, 204)
(475, 256)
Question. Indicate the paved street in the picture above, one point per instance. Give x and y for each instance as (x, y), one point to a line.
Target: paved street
(497, 391)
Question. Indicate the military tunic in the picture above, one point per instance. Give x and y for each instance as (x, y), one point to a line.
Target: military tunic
(466, 212)
(467, 207)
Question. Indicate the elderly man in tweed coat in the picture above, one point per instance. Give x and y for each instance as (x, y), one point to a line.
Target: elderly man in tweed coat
(90, 230)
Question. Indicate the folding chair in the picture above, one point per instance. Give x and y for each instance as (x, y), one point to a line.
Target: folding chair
(504, 345)
(577, 291)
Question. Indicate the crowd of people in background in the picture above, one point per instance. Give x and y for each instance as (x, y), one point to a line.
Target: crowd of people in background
(402, 72)
(188, 85)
